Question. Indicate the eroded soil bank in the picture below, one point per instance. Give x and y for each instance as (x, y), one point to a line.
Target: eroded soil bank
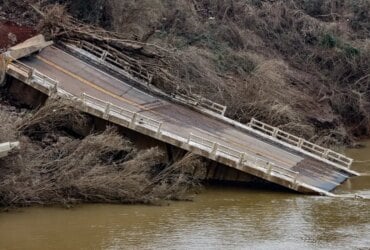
(11, 34)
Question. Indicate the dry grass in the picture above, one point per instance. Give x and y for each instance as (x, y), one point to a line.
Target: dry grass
(55, 166)
(288, 63)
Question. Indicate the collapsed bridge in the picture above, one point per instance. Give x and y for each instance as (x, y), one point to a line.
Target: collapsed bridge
(109, 87)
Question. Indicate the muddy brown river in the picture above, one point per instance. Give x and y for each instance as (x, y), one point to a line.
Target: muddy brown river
(219, 218)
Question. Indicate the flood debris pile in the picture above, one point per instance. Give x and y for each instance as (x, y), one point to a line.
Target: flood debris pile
(58, 165)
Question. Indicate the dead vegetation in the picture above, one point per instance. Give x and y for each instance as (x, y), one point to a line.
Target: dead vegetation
(56, 165)
(300, 65)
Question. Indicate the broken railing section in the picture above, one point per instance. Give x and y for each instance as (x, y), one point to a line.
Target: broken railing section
(121, 63)
(115, 58)
(28, 47)
(7, 147)
(301, 143)
(199, 101)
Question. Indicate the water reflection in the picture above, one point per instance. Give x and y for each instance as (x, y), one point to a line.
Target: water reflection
(219, 218)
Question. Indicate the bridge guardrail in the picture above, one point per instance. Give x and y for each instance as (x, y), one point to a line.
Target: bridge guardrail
(211, 147)
(244, 159)
(45, 79)
(301, 143)
(22, 66)
(123, 62)
(110, 109)
(196, 100)
(36, 76)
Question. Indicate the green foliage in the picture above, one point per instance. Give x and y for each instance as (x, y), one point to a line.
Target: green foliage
(329, 41)
(350, 51)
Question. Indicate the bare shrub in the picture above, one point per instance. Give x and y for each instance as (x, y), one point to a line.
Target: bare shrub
(55, 166)
(278, 61)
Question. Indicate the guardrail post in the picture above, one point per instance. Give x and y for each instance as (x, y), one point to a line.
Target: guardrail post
(133, 121)
(54, 89)
(159, 128)
(31, 73)
(325, 154)
(269, 168)
(214, 149)
(107, 110)
(300, 143)
(224, 111)
(349, 163)
(295, 179)
(241, 159)
(189, 138)
(104, 55)
(83, 101)
(275, 132)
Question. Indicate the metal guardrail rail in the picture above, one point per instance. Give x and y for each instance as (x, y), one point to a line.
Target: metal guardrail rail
(301, 143)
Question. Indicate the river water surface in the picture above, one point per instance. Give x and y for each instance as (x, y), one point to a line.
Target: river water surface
(219, 218)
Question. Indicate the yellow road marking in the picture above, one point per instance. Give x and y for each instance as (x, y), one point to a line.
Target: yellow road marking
(83, 80)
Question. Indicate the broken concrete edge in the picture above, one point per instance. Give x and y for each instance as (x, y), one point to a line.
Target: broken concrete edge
(28, 47)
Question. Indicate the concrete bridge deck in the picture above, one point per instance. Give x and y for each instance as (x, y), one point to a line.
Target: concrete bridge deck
(106, 96)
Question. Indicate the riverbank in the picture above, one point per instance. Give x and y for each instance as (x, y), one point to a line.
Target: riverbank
(219, 218)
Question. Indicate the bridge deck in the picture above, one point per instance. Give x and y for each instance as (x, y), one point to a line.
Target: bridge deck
(77, 77)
